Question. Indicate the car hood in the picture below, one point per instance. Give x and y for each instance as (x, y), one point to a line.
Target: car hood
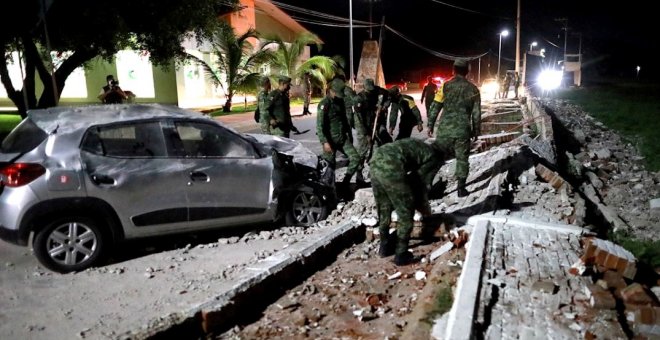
(301, 154)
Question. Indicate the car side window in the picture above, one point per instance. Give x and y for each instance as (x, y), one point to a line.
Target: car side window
(207, 140)
(135, 140)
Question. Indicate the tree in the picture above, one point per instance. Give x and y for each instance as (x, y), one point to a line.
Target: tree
(90, 29)
(237, 62)
(287, 59)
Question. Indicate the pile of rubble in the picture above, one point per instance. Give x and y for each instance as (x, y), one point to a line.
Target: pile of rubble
(615, 169)
(617, 286)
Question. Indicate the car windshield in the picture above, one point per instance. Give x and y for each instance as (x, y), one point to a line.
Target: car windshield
(25, 137)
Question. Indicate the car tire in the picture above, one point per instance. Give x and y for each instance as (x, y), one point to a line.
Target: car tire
(70, 244)
(306, 207)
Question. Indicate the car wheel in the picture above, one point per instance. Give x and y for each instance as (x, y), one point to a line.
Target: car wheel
(69, 244)
(306, 208)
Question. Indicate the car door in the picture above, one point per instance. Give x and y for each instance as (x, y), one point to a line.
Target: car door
(229, 182)
(128, 166)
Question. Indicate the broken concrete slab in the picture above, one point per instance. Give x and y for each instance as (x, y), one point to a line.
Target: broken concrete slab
(219, 310)
(555, 180)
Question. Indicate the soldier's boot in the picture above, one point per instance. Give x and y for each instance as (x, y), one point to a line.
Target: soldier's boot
(461, 191)
(347, 178)
(359, 179)
(386, 246)
(403, 256)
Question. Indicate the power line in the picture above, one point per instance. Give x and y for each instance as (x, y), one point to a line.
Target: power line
(316, 13)
(442, 55)
(469, 10)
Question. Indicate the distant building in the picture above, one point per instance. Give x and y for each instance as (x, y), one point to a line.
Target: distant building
(185, 86)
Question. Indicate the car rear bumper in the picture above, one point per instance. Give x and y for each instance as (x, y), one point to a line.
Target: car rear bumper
(11, 236)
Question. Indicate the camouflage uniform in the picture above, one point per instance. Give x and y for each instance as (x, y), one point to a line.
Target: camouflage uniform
(332, 127)
(280, 111)
(307, 93)
(395, 189)
(460, 120)
(410, 115)
(377, 99)
(358, 121)
(262, 105)
(428, 93)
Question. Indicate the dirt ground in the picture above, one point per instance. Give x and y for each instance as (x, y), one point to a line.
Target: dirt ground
(359, 296)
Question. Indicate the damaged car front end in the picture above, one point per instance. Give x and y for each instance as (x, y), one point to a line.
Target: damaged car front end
(303, 183)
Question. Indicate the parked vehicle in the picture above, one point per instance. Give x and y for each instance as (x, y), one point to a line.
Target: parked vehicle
(82, 179)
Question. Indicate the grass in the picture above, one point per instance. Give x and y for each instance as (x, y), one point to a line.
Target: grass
(631, 109)
(8, 122)
(241, 108)
(442, 304)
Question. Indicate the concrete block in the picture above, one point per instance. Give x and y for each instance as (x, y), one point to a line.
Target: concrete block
(603, 153)
(654, 204)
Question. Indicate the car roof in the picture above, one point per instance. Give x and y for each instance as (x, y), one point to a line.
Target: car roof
(70, 118)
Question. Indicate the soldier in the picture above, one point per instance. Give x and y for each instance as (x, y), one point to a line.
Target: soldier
(460, 120)
(401, 176)
(376, 104)
(516, 84)
(428, 93)
(410, 115)
(262, 106)
(279, 108)
(333, 129)
(307, 93)
(505, 85)
(359, 122)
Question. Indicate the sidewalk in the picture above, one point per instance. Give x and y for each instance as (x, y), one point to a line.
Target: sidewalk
(244, 122)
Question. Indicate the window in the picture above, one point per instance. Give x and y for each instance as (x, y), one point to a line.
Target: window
(25, 137)
(135, 74)
(137, 140)
(206, 140)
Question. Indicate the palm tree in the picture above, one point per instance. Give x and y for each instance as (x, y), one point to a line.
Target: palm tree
(286, 59)
(237, 62)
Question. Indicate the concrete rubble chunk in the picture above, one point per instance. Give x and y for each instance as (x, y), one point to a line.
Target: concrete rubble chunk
(595, 181)
(603, 153)
(610, 256)
(548, 287)
(614, 280)
(442, 250)
(654, 205)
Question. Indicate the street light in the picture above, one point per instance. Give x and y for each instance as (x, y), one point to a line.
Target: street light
(531, 46)
(638, 68)
(499, 54)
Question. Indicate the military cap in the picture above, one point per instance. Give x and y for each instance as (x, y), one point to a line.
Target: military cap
(348, 91)
(369, 84)
(284, 80)
(460, 63)
(264, 81)
(337, 85)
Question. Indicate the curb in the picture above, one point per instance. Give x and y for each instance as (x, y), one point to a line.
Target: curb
(269, 277)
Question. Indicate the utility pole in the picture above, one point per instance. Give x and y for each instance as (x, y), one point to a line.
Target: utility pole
(565, 29)
(380, 50)
(350, 38)
(517, 68)
(371, 12)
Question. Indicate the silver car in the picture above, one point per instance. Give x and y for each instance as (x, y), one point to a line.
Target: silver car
(81, 179)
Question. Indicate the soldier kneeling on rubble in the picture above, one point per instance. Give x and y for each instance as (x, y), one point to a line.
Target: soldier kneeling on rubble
(401, 176)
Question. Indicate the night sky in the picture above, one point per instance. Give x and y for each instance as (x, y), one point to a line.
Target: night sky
(615, 38)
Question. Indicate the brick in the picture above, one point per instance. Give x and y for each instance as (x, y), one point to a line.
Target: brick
(614, 280)
(550, 176)
(599, 297)
(614, 257)
(646, 321)
(635, 294)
